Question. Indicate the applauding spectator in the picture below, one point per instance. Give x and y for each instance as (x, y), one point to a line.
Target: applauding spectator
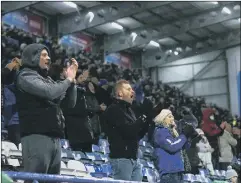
(226, 145)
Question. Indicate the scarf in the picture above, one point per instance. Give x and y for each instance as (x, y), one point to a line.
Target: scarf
(185, 159)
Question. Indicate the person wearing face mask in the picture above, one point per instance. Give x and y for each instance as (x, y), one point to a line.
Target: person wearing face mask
(39, 101)
(168, 147)
(123, 131)
(212, 131)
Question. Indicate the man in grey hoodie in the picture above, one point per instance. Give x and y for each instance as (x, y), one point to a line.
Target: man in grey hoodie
(39, 100)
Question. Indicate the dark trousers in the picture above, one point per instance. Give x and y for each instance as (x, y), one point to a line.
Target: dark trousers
(14, 134)
(172, 178)
(224, 166)
(84, 147)
(41, 154)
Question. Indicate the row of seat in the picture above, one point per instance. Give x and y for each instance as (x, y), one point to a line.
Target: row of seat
(96, 163)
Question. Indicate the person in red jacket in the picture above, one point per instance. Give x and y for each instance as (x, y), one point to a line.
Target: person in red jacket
(212, 131)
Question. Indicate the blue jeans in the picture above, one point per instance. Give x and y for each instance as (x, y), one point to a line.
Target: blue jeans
(172, 178)
(126, 169)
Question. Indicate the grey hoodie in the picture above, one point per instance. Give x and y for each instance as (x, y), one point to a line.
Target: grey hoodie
(30, 79)
(39, 98)
(31, 55)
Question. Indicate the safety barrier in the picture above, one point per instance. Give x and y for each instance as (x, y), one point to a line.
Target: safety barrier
(58, 178)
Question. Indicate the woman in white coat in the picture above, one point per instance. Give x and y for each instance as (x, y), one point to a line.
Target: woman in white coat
(226, 143)
(205, 152)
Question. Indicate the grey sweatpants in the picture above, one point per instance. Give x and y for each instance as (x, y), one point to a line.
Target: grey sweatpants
(41, 154)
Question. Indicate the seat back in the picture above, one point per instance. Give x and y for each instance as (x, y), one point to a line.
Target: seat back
(13, 162)
(63, 165)
(95, 157)
(106, 168)
(95, 148)
(142, 143)
(105, 149)
(90, 168)
(76, 165)
(66, 155)
(7, 146)
(65, 144)
(103, 143)
(78, 155)
(105, 157)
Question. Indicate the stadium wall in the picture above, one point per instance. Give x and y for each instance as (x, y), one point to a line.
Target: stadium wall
(204, 75)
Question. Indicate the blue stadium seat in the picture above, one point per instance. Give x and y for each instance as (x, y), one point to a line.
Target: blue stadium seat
(188, 177)
(106, 168)
(203, 172)
(95, 148)
(95, 170)
(66, 155)
(65, 144)
(149, 175)
(105, 149)
(103, 143)
(80, 156)
(143, 162)
(142, 143)
(95, 157)
(145, 153)
(105, 157)
(140, 154)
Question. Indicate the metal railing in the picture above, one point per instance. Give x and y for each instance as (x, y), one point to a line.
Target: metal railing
(58, 178)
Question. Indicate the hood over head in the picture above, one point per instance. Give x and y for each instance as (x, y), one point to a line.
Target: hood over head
(31, 55)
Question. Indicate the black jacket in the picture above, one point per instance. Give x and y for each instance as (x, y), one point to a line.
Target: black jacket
(39, 98)
(7, 76)
(103, 96)
(81, 121)
(94, 111)
(38, 103)
(123, 130)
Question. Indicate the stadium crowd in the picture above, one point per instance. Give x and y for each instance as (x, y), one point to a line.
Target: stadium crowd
(50, 93)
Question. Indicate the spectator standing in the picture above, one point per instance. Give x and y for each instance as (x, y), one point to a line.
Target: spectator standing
(168, 146)
(10, 113)
(9, 71)
(82, 122)
(205, 152)
(38, 100)
(123, 132)
(237, 134)
(226, 145)
(212, 131)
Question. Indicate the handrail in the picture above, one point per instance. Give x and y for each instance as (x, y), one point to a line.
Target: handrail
(59, 178)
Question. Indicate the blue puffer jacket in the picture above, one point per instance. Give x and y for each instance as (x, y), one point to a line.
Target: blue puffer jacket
(168, 151)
